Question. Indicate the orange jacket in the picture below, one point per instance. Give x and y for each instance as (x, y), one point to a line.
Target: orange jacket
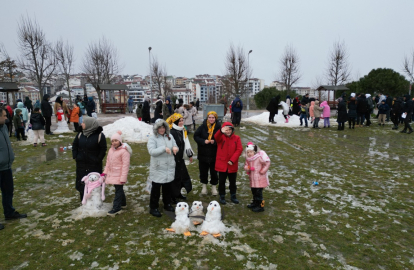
(74, 116)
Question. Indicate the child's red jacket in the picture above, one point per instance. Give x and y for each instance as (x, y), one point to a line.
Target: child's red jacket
(228, 149)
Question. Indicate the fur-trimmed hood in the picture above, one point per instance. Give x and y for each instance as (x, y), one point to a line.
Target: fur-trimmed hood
(158, 124)
(127, 147)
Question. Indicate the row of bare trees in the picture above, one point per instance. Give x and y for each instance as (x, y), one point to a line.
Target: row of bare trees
(41, 59)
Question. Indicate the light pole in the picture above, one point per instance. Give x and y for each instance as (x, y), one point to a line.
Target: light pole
(149, 57)
(248, 80)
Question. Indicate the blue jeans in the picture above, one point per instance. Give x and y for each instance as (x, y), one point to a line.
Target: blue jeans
(7, 188)
(360, 118)
(303, 116)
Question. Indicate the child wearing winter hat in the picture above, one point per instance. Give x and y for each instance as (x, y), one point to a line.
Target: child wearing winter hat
(256, 166)
(18, 124)
(116, 171)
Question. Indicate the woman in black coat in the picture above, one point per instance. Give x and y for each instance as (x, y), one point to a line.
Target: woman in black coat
(89, 149)
(182, 178)
(158, 110)
(352, 112)
(146, 111)
(207, 150)
(342, 114)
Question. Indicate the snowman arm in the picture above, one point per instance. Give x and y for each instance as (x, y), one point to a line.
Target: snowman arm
(103, 191)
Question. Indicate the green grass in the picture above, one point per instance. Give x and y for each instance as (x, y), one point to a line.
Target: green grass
(365, 176)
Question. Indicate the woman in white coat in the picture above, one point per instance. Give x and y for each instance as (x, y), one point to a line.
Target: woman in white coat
(162, 148)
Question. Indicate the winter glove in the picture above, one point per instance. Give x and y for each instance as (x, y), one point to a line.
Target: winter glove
(246, 168)
(252, 168)
(103, 174)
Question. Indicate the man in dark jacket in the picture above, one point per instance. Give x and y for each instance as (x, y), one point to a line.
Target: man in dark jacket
(408, 111)
(47, 112)
(236, 108)
(362, 107)
(305, 99)
(272, 107)
(207, 150)
(388, 101)
(28, 104)
(90, 106)
(396, 111)
(6, 175)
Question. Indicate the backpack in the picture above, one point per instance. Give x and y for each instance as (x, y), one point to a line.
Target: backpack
(370, 103)
(238, 104)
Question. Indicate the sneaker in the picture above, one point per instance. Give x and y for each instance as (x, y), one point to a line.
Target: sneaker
(155, 212)
(43, 144)
(114, 212)
(214, 190)
(123, 206)
(204, 190)
(169, 208)
(16, 215)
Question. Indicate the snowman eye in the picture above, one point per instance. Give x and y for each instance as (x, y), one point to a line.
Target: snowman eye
(179, 205)
(215, 204)
(185, 205)
(211, 203)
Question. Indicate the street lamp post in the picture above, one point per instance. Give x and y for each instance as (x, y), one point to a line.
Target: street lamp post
(149, 57)
(248, 80)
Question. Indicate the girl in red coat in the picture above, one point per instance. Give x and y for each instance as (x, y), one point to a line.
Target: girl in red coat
(229, 149)
(256, 166)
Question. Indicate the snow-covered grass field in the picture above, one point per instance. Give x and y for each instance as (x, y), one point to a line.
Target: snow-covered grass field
(359, 217)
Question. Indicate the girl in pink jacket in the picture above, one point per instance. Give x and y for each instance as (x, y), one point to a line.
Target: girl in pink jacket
(256, 166)
(326, 114)
(116, 171)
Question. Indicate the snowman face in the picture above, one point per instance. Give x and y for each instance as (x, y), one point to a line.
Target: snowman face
(93, 178)
(181, 208)
(214, 206)
(197, 206)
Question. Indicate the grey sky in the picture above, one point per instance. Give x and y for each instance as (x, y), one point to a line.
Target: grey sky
(192, 37)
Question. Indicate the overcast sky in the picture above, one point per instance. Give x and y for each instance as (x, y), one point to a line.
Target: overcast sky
(192, 37)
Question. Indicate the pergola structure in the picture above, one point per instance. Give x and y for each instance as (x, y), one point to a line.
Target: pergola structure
(114, 97)
(8, 87)
(326, 89)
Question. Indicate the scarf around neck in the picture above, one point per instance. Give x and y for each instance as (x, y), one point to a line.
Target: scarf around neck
(261, 154)
(210, 128)
(180, 128)
(91, 124)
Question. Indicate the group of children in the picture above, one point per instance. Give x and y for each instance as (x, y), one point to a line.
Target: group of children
(315, 112)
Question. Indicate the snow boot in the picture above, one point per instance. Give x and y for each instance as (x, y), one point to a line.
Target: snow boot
(169, 208)
(252, 204)
(214, 190)
(114, 212)
(204, 190)
(403, 131)
(223, 199)
(287, 120)
(234, 199)
(155, 212)
(259, 206)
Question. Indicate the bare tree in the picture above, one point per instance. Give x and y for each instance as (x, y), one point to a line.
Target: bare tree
(289, 67)
(408, 66)
(167, 85)
(338, 71)
(37, 54)
(64, 56)
(318, 81)
(158, 74)
(237, 71)
(100, 64)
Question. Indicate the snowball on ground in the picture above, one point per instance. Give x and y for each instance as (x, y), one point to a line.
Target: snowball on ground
(132, 129)
(263, 119)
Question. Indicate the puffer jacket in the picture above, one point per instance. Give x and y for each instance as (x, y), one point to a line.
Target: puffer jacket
(352, 108)
(188, 118)
(37, 121)
(311, 109)
(258, 177)
(25, 115)
(89, 151)
(317, 111)
(74, 116)
(228, 149)
(162, 164)
(117, 165)
(206, 152)
(326, 110)
(6, 150)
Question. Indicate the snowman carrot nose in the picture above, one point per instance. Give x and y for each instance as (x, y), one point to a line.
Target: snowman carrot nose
(182, 208)
(212, 208)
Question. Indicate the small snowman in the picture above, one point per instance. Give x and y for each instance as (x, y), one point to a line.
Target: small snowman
(197, 215)
(94, 192)
(182, 222)
(213, 224)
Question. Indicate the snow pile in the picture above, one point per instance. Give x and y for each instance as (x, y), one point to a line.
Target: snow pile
(263, 119)
(132, 129)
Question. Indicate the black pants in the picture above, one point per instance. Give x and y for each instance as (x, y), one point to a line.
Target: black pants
(204, 167)
(7, 188)
(257, 194)
(316, 123)
(341, 125)
(76, 125)
(155, 194)
(20, 131)
(272, 117)
(10, 128)
(236, 118)
(351, 122)
(222, 182)
(407, 122)
(360, 118)
(48, 120)
(181, 180)
(368, 118)
(120, 199)
(395, 118)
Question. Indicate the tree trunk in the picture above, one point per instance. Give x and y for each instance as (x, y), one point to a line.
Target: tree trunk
(70, 94)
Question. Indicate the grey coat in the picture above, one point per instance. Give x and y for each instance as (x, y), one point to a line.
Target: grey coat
(162, 165)
(7, 154)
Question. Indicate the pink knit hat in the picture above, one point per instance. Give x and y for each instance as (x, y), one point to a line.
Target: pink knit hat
(117, 136)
